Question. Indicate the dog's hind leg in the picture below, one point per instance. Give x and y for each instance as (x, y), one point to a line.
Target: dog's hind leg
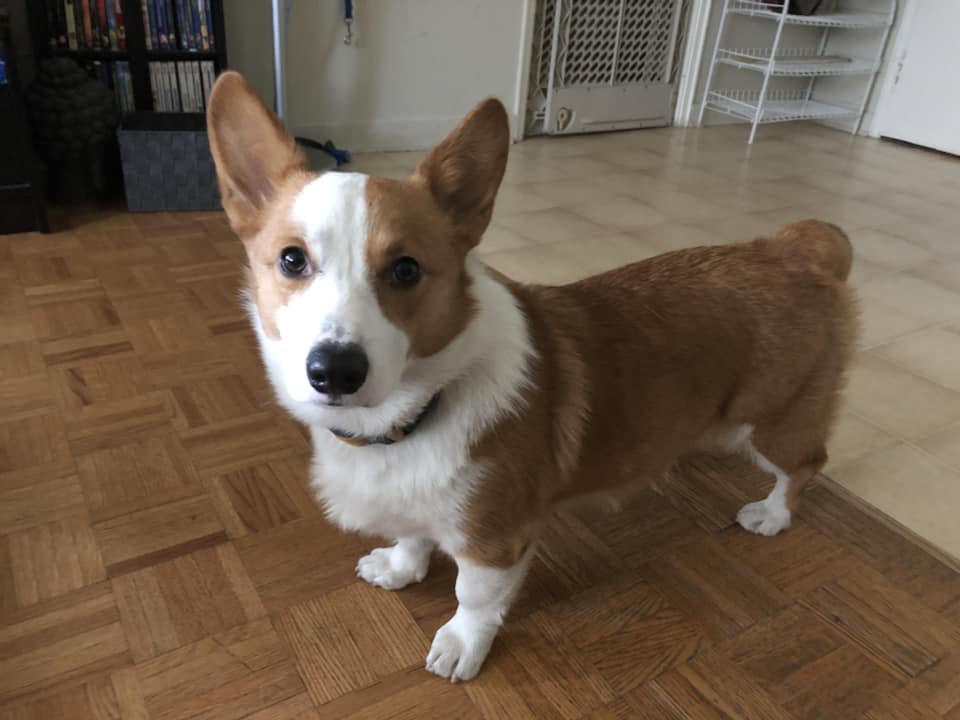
(773, 514)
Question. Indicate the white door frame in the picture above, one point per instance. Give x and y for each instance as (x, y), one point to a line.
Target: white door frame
(907, 10)
(696, 38)
(523, 81)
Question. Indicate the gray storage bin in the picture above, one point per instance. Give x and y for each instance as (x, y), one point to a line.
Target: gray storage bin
(167, 163)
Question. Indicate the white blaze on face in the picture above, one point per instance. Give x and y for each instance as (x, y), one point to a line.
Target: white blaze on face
(338, 302)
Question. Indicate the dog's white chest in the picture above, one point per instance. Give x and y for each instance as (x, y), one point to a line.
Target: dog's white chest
(416, 488)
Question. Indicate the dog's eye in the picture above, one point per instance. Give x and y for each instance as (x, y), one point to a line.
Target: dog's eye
(406, 272)
(293, 261)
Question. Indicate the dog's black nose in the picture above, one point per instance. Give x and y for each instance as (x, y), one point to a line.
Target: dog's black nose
(337, 369)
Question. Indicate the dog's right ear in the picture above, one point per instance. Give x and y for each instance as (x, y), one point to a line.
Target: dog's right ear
(252, 151)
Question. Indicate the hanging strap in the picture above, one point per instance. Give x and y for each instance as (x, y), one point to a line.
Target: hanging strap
(348, 21)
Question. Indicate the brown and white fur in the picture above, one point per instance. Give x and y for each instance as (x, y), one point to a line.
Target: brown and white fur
(546, 394)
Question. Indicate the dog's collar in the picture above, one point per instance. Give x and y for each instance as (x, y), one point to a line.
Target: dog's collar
(394, 436)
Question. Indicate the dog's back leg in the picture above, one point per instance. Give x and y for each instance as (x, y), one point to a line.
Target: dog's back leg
(773, 514)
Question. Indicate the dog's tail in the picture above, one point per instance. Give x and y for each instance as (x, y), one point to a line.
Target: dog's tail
(817, 245)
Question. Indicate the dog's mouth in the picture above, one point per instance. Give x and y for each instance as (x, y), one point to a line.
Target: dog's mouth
(337, 401)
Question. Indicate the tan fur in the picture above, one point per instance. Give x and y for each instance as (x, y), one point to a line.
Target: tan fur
(436, 216)
(260, 171)
(638, 364)
(405, 221)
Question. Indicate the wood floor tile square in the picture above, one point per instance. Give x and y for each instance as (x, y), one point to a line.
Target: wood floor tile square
(79, 385)
(628, 631)
(228, 676)
(708, 686)
(242, 442)
(136, 540)
(350, 639)
(74, 317)
(299, 560)
(38, 440)
(884, 620)
(61, 641)
(119, 422)
(537, 666)
(53, 558)
(121, 479)
(263, 496)
(210, 401)
(795, 562)
(714, 588)
(169, 605)
(644, 527)
(809, 668)
(101, 344)
(39, 501)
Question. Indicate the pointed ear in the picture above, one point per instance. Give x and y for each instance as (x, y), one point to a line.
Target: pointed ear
(252, 151)
(464, 171)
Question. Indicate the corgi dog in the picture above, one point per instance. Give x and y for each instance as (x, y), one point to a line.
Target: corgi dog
(452, 408)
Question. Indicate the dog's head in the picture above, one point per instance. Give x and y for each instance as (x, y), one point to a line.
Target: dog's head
(353, 279)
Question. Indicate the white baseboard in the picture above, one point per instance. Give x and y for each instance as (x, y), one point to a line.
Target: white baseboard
(385, 135)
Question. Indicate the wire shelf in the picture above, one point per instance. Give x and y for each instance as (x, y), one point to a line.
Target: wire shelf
(795, 62)
(773, 11)
(779, 106)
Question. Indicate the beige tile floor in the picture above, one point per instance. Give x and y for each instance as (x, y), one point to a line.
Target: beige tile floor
(573, 206)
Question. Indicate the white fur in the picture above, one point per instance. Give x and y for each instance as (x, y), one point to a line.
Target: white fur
(770, 515)
(396, 567)
(338, 303)
(484, 595)
(418, 488)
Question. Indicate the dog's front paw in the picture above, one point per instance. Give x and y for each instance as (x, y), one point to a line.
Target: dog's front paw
(458, 650)
(392, 568)
(763, 519)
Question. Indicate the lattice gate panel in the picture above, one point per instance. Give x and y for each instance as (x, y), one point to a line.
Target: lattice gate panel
(604, 64)
(646, 40)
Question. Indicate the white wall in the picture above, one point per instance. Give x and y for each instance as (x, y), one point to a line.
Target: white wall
(414, 69)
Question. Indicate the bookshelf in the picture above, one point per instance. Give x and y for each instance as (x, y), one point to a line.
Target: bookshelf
(141, 50)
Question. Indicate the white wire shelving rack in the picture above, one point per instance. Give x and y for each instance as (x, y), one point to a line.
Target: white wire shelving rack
(769, 105)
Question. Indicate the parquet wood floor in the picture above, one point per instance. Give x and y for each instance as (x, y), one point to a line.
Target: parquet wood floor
(161, 557)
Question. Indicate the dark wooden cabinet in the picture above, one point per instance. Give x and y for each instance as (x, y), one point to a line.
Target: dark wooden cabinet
(22, 204)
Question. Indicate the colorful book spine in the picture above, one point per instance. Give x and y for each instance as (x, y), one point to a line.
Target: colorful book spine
(128, 87)
(118, 97)
(204, 30)
(198, 88)
(182, 82)
(160, 19)
(59, 12)
(102, 23)
(78, 20)
(154, 86)
(121, 26)
(208, 10)
(51, 13)
(209, 77)
(182, 26)
(174, 87)
(194, 10)
(112, 25)
(171, 24)
(88, 34)
(149, 31)
(71, 20)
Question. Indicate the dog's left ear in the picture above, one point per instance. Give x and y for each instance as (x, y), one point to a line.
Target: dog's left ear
(464, 171)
